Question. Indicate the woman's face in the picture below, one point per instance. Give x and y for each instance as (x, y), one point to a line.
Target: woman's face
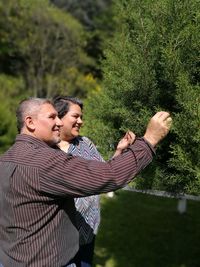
(72, 122)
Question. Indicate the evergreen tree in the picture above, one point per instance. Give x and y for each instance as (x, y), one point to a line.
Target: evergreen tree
(152, 63)
(184, 163)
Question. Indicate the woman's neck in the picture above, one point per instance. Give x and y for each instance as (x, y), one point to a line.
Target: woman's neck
(64, 145)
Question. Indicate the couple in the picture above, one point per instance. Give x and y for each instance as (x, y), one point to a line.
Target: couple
(38, 224)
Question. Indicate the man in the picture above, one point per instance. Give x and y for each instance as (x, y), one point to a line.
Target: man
(38, 184)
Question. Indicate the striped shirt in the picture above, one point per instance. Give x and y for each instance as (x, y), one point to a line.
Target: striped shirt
(88, 208)
(37, 187)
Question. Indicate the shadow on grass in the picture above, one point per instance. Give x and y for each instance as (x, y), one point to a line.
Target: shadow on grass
(140, 230)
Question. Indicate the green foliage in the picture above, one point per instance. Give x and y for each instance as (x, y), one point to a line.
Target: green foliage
(43, 40)
(42, 53)
(152, 63)
(71, 81)
(97, 19)
(9, 97)
(85, 11)
(185, 160)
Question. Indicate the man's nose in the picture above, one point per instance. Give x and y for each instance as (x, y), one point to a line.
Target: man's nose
(59, 122)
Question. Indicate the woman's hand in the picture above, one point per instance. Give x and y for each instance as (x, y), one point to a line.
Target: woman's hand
(125, 142)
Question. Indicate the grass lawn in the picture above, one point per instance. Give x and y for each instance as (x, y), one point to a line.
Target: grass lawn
(139, 230)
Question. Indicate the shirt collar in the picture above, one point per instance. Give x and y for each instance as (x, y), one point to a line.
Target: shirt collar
(30, 139)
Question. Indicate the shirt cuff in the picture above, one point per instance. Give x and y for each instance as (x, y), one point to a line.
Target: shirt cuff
(153, 149)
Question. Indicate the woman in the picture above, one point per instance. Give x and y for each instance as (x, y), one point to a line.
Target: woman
(88, 208)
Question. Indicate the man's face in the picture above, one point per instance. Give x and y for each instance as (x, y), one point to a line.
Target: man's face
(47, 125)
(72, 122)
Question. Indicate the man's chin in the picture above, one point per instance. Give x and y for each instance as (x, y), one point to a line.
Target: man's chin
(55, 141)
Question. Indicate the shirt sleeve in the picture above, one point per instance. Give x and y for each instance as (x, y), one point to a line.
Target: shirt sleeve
(65, 175)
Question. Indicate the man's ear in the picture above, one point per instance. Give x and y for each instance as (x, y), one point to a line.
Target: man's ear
(29, 123)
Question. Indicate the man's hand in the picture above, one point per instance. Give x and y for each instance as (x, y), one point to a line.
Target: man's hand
(158, 127)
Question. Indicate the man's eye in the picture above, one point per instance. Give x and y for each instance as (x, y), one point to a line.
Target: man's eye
(52, 117)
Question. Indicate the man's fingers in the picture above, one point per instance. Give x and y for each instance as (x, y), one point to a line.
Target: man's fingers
(161, 115)
(158, 114)
(169, 122)
(164, 116)
(158, 127)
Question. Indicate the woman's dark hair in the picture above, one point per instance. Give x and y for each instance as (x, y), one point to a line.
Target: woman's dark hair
(62, 103)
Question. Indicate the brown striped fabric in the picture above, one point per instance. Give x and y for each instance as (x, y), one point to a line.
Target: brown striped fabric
(37, 187)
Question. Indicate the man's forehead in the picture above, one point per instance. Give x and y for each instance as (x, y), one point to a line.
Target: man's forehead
(48, 108)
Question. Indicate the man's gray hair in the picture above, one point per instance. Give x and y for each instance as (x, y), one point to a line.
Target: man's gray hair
(29, 107)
